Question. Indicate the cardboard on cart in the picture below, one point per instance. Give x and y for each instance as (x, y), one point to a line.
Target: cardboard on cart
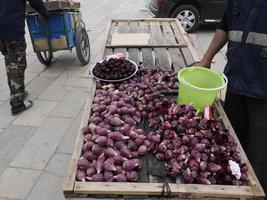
(56, 44)
(130, 39)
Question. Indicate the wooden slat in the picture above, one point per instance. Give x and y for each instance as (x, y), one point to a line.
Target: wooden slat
(56, 5)
(254, 182)
(186, 53)
(122, 28)
(189, 45)
(71, 176)
(133, 53)
(113, 28)
(144, 20)
(147, 57)
(161, 54)
(156, 188)
(148, 45)
(177, 60)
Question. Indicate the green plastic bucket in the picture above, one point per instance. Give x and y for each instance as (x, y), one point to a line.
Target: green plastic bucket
(199, 86)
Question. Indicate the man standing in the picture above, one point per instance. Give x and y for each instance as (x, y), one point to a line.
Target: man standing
(244, 27)
(13, 47)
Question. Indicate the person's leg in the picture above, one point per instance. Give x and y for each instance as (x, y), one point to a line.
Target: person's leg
(236, 110)
(15, 59)
(257, 146)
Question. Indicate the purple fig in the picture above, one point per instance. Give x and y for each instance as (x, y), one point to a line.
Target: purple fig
(108, 176)
(203, 166)
(212, 167)
(90, 171)
(81, 175)
(142, 150)
(204, 181)
(115, 121)
(102, 140)
(129, 165)
(108, 165)
(89, 155)
(132, 145)
(110, 152)
(117, 136)
(132, 176)
(97, 149)
(120, 178)
(84, 164)
(126, 152)
(101, 131)
(96, 178)
(200, 147)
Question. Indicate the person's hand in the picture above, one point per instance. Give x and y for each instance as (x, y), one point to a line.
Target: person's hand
(205, 62)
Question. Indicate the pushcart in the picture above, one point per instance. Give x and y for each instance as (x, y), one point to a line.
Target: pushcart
(62, 30)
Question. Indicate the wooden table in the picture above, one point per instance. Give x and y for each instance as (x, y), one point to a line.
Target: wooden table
(168, 47)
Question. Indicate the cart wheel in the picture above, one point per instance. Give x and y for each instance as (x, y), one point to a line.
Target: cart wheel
(82, 46)
(45, 57)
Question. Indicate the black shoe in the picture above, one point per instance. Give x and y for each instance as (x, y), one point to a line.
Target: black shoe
(15, 110)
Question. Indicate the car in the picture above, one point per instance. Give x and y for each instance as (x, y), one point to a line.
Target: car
(191, 13)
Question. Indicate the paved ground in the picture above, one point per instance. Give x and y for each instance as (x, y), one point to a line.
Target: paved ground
(36, 147)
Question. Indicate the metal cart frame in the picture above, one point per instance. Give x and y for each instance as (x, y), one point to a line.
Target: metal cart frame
(81, 38)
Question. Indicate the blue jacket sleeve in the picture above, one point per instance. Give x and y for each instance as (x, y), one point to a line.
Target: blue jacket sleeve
(39, 6)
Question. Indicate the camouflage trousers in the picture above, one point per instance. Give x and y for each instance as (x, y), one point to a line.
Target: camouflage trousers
(15, 61)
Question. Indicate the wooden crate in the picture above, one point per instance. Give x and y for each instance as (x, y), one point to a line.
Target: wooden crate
(56, 5)
(168, 47)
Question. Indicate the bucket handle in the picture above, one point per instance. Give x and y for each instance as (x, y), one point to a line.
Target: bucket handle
(192, 64)
(206, 89)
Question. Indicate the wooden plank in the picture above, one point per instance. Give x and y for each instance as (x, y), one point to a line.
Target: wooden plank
(148, 45)
(151, 198)
(254, 182)
(112, 28)
(122, 28)
(161, 54)
(147, 58)
(146, 53)
(56, 5)
(133, 52)
(187, 56)
(177, 60)
(169, 36)
(144, 20)
(189, 45)
(71, 176)
(192, 190)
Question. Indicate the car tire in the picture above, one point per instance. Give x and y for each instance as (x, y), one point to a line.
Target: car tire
(188, 15)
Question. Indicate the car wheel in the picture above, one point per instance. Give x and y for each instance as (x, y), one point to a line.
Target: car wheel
(188, 16)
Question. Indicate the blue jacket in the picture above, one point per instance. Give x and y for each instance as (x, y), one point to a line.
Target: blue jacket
(247, 48)
(12, 17)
